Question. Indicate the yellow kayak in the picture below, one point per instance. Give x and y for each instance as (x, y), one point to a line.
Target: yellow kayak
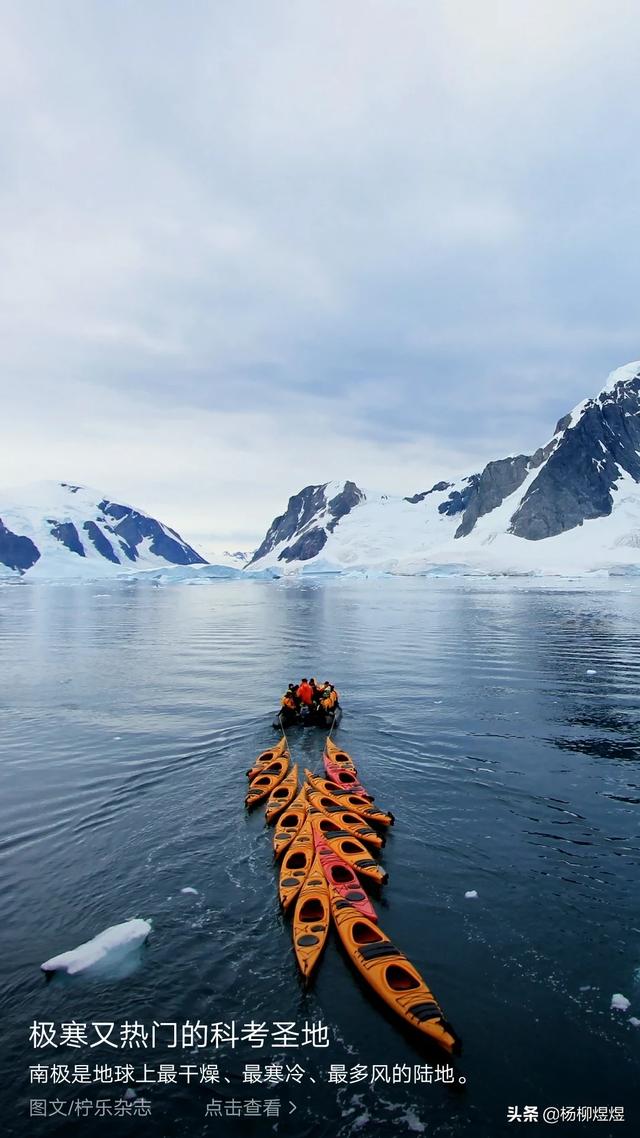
(289, 822)
(391, 975)
(344, 819)
(311, 919)
(296, 864)
(347, 801)
(349, 849)
(261, 786)
(282, 794)
(280, 751)
(338, 757)
(279, 764)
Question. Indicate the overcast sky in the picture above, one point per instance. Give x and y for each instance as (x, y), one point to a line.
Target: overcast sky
(246, 246)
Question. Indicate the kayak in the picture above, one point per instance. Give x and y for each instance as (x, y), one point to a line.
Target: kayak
(344, 819)
(311, 919)
(327, 827)
(354, 853)
(338, 757)
(261, 786)
(289, 823)
(296, 864)
(391, 975)
(347, 779)
(282, 794)
(279, 764)
(342, 878)
(265, 757)
(348, 801)
(272, 752)
(347, 847)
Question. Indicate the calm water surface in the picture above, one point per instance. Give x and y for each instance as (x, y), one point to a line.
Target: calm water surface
(129, 716)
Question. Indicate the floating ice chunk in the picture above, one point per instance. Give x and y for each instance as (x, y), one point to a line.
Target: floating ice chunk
(413, 1123)
(634, 1021)
(188, 889)
(471, 894)
(114, 941)
(130, 1094)
(619, 1002)
(591, 671)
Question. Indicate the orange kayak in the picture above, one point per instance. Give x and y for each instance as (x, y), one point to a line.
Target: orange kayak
(289, 823)
(343, 879)
(338, 757)
(311, 919)
(261, 786)
(348, 849)
(347, 801)
(282, 794)
(265, 757)
(279, 764)
(296, 864)
(392, 977)
(344, 819)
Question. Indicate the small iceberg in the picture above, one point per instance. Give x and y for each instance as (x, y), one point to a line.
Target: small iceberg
(634, 1021)
(619, 1002)
(471, 894)
(112, 944)
(188, 889)
(591, 671)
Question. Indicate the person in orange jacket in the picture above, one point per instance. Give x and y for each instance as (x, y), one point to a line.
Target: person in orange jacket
(305, 692)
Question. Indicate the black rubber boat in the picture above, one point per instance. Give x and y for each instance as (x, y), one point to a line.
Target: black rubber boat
(313, 717)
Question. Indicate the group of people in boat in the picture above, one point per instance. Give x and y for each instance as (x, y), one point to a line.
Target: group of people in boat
(309, 699)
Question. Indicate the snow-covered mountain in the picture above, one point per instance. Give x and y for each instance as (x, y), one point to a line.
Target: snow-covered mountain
(54, 529)
(572, 506)
(238, 559)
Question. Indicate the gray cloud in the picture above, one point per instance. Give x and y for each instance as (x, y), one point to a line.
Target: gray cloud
(246, 247)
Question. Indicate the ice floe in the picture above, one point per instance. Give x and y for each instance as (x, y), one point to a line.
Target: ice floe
(113, 942)
(619, 1002)
(188, 889)
(471, 894)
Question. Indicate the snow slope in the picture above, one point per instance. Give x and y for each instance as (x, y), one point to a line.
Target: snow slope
(56, 529)
(570, 508)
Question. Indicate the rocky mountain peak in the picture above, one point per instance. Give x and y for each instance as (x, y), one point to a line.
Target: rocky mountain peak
(301, 532)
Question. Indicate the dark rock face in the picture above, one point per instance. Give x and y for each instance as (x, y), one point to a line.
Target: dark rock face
(576, 482)
(103, 546)
(306, 546)
(17, 552)
(67, 534)
(497, 481)
(438, 488)
(302, 510)
(343, 503)
(458, 500)
(131, 528)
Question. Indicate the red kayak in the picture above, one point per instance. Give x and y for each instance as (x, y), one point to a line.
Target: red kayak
(341, 876)
(345, 778)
